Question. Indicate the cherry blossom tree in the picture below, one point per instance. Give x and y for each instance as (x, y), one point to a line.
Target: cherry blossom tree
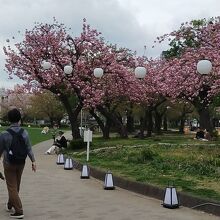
(53, 44)
(44, 42)
(152, 94)
(116, 86)
(16, 99)
(193, 42)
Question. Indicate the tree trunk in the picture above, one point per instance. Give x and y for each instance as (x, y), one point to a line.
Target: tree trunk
(110, 116)
(106, 131)
(119, 125)
(201, 103)
(165, 122)
(130, 123)
(205, 119)
(73, 115)
(182, 122)
(158, 122)
(130, 120)
(51, 121)
(105, 128)
(74, 125)
(142, 126)
(149, 122)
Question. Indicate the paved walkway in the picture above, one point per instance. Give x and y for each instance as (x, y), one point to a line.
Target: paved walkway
(55, 193)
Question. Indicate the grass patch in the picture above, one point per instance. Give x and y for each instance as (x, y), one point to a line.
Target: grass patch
(167, 139)
(193, 166)
(35, 134)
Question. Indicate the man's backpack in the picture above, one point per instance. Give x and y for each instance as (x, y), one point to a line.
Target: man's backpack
(17, 152)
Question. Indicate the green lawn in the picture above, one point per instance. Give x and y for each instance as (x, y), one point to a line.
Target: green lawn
(193, 166)
(172, 138)
(35, 134)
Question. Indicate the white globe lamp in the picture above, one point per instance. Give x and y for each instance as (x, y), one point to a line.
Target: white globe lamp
(140, 72)
(98, 72)
(204, 67)
(46, 65)
(68, 70)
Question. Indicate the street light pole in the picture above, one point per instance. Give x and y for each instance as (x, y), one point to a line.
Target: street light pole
(81, 122)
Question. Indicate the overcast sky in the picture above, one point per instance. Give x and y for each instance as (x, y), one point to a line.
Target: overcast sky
(128, 23)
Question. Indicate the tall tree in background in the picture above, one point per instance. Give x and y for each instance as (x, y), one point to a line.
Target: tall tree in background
(46, 105)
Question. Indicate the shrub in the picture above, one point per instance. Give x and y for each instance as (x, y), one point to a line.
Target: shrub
(5, 123)
(146, 155)
(214, 134)
(77, 144)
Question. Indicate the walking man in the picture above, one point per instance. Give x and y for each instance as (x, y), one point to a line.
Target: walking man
(15, 146)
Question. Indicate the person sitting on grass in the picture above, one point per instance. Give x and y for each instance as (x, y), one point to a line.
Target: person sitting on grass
(58, 144)
(203, 135)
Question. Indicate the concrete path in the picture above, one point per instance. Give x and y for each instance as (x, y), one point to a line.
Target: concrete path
(55, 193)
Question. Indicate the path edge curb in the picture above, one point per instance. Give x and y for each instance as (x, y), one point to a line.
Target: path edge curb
(155, 192)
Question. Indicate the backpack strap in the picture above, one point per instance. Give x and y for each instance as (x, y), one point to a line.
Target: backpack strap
(21, 131)
(12, 132)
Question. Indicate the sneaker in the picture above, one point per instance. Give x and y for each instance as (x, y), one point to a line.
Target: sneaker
(17, 216)
(8, 207)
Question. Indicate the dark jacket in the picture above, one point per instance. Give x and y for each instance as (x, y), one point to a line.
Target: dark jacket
(200, 135)
(62, 142)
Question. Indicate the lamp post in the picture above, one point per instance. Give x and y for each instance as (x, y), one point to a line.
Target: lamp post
(81, 122)
(46, 65)
(68, 69)
(204, 67)
(98, 72)
(140, 72)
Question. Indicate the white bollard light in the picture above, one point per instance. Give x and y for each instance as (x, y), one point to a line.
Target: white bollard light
(171, 200)
(68, 164)
(109, 183)
(60, 159)
(85, 172)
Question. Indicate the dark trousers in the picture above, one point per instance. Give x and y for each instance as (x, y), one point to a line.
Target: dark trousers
(13, 175)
